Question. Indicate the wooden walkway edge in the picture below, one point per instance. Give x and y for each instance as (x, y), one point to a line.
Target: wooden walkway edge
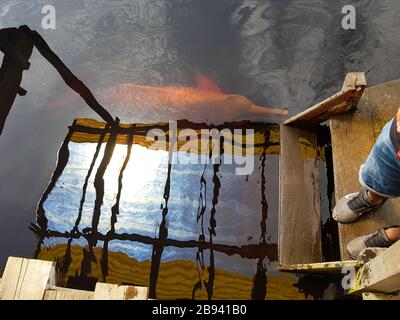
(331, 266)
(30, 279)
(379, 275)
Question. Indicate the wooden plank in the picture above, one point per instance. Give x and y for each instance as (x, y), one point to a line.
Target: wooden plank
(107, 291)
(26, 279)
(379, 296)
(353, 137)
(381, 274)
(341, 102)
(136, 293)
(103, 292)
(319, 112)
(58, 293)
(322, 267)
(299, 212)
(29, 279)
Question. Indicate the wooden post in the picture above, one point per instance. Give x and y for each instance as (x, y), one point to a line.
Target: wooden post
(299, 198)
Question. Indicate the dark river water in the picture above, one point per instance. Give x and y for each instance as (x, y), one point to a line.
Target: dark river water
(288, 54)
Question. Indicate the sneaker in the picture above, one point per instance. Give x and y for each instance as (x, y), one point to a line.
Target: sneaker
(377, 239)
(353, 205)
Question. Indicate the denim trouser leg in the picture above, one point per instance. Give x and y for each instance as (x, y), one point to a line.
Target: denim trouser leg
(381, 172)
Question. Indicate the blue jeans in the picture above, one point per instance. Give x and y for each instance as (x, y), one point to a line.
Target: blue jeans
(381, 172)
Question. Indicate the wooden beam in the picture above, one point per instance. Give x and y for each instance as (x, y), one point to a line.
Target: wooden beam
(58, 293)
(341, 102)
(321, 267)
(26, 279)
(381, 274)
(299, 210)
(107, 291)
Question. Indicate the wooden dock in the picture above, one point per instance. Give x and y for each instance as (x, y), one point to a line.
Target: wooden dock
(356, 117)
(31, 279)
(353, 136)
(300, 208)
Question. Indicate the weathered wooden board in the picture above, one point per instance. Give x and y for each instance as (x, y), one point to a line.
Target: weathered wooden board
(381, 274)
(106, 291)
(353, 137)
(299, 211)
(321, 267)
(379, 296)
(29, 279)
(26, 279)
(341, 102)
(58, 293)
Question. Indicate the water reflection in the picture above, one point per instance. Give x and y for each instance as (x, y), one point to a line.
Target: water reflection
(163, 220)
